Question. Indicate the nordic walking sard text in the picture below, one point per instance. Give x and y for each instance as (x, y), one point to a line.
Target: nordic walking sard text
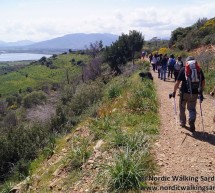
(176, 183)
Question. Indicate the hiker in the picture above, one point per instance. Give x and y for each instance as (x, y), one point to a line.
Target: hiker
(177, 67)
(143, 54)
(150, 57)
(171, 63)
(154, 61)
(193, 82)
(159, 65)
(212, 92)
(163, 68)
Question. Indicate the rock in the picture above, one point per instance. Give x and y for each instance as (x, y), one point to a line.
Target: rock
(98, 144)
(90, 161)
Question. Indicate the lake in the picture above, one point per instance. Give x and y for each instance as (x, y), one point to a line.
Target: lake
(9, 57)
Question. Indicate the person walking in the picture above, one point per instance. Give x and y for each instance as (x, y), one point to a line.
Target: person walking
(154, 62)
(177, 67)
(159, 65)
(163, 68)
(193, 82)
(171, 63)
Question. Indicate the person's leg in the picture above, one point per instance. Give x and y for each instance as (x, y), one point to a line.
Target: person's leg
(168, 72)
(161, 72)
(164, 74)
(153, 65)
(182, 105)
(175, 75)
(191, 106)
(171, 72)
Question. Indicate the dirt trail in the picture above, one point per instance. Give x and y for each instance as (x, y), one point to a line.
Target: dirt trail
(178, 151)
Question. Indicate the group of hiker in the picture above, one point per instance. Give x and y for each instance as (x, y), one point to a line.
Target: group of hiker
(163, 64)
(189, 79)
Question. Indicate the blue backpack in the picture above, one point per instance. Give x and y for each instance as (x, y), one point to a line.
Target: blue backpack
(171, 62)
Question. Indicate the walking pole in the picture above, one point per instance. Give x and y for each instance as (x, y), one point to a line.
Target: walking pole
(176, 120)
(200, 103)
(175, 111)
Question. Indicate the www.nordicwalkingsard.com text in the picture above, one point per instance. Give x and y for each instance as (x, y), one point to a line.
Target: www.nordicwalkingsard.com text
(181, 178)
(179, 188)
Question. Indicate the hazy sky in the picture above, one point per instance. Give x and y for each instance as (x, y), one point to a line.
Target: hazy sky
(39, 20)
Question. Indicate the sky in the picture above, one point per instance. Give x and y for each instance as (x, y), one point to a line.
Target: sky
(39, 20)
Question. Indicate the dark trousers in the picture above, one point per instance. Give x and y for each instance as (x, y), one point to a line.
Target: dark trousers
(189, 101)
(170, 71)
(176, 75)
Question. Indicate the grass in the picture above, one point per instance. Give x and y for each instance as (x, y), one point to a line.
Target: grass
(38, 75)
(128, 124)
(126, 131)
(128, 170)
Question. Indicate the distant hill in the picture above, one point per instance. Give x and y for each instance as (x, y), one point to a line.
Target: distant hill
(16, 44)
(75, 41)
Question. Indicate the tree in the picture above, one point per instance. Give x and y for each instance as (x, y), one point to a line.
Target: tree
(95, 48)
(135, 43)
(123, 50)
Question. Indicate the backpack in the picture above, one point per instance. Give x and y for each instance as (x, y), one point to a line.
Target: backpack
(171, 62)
(192, 75)
(178, 65)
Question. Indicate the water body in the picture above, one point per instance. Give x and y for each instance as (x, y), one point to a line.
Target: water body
(9, 57)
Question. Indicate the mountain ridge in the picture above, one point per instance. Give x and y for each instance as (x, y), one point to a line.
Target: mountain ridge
(68, 41)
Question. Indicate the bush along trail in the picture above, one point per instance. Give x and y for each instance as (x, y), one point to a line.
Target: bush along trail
(186, 160)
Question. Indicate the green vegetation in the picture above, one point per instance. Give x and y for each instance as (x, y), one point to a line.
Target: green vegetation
(94, 104)
(40, 73)
(128, 130)
(123, 50)
(201, 33)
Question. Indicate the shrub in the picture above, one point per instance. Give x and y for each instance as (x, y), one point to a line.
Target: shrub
(80, 62)
(55, 86)
(7, 187)
(59, 120)
(19, 99)
(11, 100)
(128, 171)
(80, 153)
(11, 119)
(48, 151)
(134, 141)
(102, 126)
(45, 89)
(114, 91)
(29, 89)
(85, 96)
(34, 98)
(19, 145)
(3, 107)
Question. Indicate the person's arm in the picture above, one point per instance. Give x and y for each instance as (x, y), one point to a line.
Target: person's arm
(176, 86)
(203, 84)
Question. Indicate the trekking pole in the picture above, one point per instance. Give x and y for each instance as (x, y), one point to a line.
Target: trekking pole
(176, 121)
(200, 103)
(175, 111)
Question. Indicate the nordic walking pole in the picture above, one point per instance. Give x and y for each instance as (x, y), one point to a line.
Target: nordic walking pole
(200, 103)
(175, 111)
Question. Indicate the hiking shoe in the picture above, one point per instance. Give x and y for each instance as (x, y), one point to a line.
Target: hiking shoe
(183, 125)
(192, 126)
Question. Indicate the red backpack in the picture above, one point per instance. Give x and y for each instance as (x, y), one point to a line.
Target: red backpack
(192, 75)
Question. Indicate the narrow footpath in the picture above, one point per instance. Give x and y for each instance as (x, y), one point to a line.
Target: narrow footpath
(179, 152)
